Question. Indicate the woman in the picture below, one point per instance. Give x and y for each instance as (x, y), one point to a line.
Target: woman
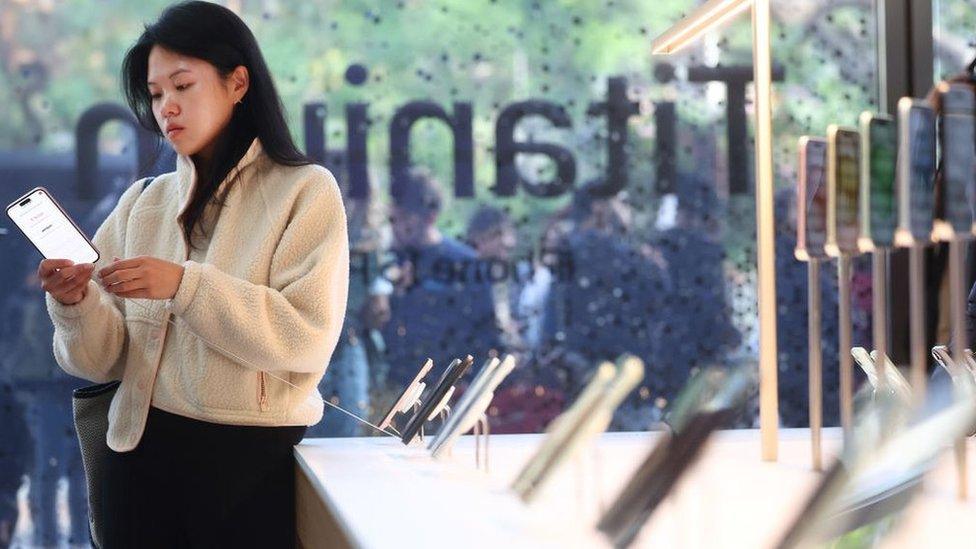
(244, 246)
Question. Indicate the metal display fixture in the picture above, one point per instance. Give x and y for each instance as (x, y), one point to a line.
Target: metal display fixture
(708, 16)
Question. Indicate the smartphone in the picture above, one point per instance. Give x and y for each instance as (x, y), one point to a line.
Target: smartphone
(50, 229)
(559, 429)
(580, 425)
(893, 376)
(811, 199)
(709, 402)
(469, 395)
(451, 375)
(942, 356)
(407, 392)
(895, 381)
(879, 215)
(957, 137)
(872, 481)
(916, 172)
(469, 409)
(867, 365)
(843, 190)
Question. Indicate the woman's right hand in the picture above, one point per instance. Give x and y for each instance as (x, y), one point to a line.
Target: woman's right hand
(65, 281)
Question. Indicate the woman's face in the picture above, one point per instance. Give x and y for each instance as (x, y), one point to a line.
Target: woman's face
(191, 102)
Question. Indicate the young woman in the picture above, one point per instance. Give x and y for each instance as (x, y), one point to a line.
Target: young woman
(244, 248)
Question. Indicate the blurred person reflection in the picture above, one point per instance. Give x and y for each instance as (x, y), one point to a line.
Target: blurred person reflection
(438, 308)
(492, 235)
(42, 388)
(357, 360)
(534, 394)
(938, 294)
(552, 262)
(699, 329)
(16, 452)
(614, 304)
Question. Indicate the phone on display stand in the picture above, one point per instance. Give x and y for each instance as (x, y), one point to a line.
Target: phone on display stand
(473, 404)
(944, 359)
(710, 401)
(451, 375)
(50, 229)
(957, 136)
(916, 172)
(877, 475)
(469, 395)
(867, 365)
(895, 381)
(894, 377)
(408, 391)
(811, 199)
(879, 212)
(843, 190)
(971, 362)
(589, 416)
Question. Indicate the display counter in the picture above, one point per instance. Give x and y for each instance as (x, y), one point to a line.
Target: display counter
(377, 493)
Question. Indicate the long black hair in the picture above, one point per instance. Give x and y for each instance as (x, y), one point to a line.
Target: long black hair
(214, 34)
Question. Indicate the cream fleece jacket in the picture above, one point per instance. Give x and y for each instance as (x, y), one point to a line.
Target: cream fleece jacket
(269, 293)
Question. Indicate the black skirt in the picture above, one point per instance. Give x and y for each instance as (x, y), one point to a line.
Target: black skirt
(192, 483)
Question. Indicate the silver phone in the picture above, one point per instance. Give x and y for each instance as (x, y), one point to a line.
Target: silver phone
(473, 404)
(589, 416)
(50, 229)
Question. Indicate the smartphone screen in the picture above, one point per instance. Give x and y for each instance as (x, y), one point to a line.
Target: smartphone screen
(811, 199)
(918, 195)
(50, 229)
(844, 186)
(883, 214)
(958, 156)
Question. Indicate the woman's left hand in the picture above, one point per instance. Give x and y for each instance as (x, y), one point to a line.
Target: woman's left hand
(142, 277)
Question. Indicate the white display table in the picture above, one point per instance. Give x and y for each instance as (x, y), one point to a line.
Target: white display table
(377, 493)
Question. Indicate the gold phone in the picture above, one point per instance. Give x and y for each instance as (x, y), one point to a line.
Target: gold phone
(589, 416)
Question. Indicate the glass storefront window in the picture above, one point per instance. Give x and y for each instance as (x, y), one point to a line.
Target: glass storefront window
(516, 108)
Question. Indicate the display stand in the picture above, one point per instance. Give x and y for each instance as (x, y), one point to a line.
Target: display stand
(916, 208)
(442, 409)
(588, 476)
(815, 361)
(879, 221)
(416, 410)
(690, 28)
(845, 342)
(916, 316)
(601, 504)
(958, 138)
(957, 300)
(811, 235)
(411, 402)
(879, 309)
(481, 428)
(844, 189)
